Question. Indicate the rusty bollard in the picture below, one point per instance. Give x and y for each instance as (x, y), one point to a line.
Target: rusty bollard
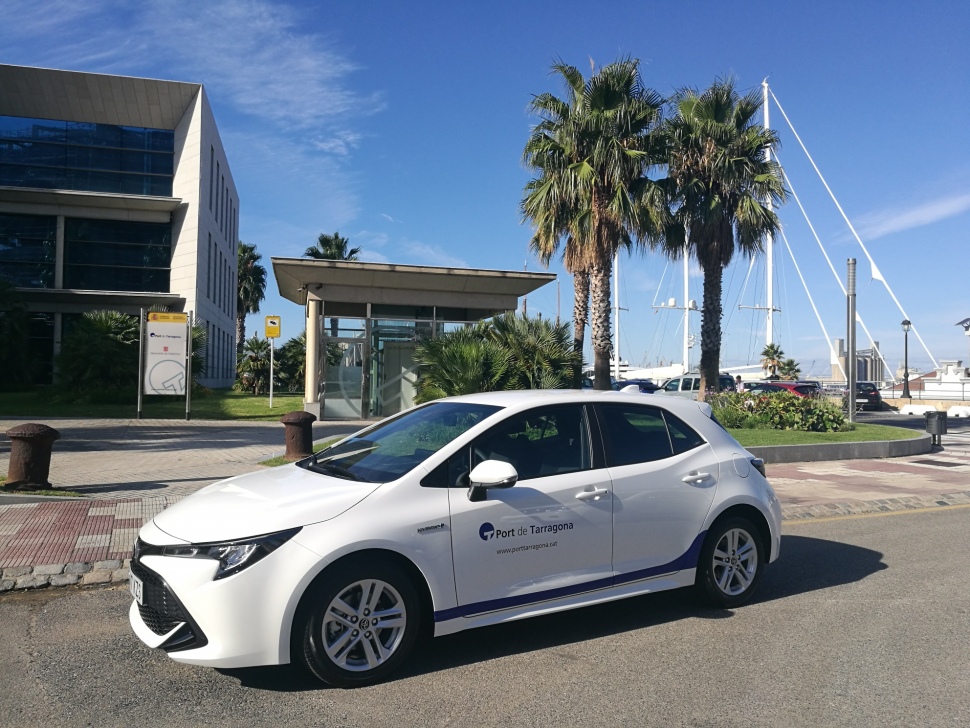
(299, 434)
(30, 455)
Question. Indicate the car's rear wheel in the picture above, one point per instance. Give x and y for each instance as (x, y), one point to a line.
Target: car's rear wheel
(358, 623)
(731, 563)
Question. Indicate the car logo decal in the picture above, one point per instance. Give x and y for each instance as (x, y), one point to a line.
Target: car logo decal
(487, 531)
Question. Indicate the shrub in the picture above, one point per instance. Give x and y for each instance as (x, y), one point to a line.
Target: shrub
(777, 411)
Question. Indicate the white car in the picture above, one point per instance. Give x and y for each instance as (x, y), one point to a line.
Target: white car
(460, 513)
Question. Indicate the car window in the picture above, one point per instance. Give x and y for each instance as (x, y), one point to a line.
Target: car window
(672, 385)
(867, 388)
(396, 446)
(635, 434)
(541, 442)
(696, 384)
(682, 437)
(806, 389)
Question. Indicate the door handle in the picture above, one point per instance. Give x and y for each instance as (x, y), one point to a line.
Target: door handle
(695, 478)
(592, 495)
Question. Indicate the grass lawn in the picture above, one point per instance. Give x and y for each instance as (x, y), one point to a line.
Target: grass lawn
(859, 433)
(219, 404)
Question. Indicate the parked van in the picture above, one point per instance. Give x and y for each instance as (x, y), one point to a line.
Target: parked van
(688, 385)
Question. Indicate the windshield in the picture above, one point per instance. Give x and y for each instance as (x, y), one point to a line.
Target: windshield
(397, 446)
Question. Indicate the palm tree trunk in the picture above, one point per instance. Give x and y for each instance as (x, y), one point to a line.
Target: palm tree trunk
(240, 331)
(599, 278)
(711, 313)
(580, 317)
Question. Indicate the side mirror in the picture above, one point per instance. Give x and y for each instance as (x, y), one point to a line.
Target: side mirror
(490, 474)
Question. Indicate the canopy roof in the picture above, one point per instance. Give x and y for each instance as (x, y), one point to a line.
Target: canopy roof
(347, 287)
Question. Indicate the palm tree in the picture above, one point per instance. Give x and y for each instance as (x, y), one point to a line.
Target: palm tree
(771, 359)
(721, 175)
(250, 289)
(253, 365)
(541, 355)
(789, 370)
(591, 153)
(463, 361)
(332, 247)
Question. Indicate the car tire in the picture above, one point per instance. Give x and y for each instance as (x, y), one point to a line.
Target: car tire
(334, 632)
(731, 563)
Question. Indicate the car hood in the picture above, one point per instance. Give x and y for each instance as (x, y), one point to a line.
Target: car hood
(263, 502)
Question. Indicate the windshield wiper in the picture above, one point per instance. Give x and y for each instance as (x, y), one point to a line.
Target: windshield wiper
(327, 468)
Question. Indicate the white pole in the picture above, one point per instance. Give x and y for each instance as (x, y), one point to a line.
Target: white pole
(770, 244)
(616, 314)
(271, 351)
(686, 317)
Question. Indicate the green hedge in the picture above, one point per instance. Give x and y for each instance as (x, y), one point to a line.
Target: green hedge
(777, 411)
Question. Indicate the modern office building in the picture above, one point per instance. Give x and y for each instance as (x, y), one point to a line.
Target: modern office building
(115, 193)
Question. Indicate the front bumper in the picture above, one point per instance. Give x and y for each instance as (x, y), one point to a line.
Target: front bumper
(240, 621)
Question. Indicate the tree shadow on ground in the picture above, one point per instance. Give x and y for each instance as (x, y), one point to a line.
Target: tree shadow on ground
(806, 565)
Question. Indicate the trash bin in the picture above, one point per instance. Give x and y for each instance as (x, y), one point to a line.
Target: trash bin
(936, 426)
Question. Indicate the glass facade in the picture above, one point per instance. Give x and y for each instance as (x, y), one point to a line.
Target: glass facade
(27, 250)
(117, 255)
(70, 155)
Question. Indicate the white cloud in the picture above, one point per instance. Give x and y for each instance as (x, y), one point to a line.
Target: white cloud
(417, 253)
(887, 222)
(387, 217)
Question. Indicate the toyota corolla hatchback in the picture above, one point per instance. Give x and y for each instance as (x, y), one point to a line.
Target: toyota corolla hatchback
(460, 513)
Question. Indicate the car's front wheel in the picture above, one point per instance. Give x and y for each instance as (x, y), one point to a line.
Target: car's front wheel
(731, 563)
(358, 623)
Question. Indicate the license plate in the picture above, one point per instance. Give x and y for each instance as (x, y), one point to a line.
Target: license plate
(136, 587)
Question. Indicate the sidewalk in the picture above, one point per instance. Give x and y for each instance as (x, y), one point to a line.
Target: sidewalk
(132, 469)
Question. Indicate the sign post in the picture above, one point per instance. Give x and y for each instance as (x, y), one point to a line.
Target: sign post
(272, 332)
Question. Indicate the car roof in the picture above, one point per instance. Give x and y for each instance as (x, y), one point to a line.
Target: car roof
(531, 397)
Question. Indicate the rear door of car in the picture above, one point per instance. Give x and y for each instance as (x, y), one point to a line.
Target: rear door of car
(664, 477)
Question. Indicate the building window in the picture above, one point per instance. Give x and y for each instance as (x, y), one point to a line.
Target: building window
(117, 255)
(212, 159)
(27, 250)
(208, 285)
(218, 191)
(69, 155)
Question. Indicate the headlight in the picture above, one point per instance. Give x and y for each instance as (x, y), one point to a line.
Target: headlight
(233, 556)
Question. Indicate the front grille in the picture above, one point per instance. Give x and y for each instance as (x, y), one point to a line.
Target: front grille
(159, 610)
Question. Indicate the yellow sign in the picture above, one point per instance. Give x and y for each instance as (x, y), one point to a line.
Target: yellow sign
(272, 327)
(164, 317)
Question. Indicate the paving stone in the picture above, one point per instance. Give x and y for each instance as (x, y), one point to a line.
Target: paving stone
(12, 572)
(120, 575)
(96, 577)
(109, 565)
(6, 584)
(32, 582)
(78, 567)
(48, 569)
(64, 579)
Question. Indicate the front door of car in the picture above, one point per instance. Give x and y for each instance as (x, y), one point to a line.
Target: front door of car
(664, 476)
(550, 534)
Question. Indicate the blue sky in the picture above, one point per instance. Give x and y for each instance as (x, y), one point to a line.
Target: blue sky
(402, 125)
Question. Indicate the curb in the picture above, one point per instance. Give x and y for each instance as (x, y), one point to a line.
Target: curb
(777, 454)
(78, 573)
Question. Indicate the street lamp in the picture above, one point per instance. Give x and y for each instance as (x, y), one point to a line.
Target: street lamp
(906, 327)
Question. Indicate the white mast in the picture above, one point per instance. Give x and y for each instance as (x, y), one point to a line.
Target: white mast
(769, 252)
(686, 315)
(616, 314)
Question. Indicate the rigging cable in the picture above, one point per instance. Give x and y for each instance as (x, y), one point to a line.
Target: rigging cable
(825, 333)
(876, 273)
(828, 260)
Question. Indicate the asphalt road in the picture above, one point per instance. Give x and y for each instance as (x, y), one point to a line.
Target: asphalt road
(863, 622)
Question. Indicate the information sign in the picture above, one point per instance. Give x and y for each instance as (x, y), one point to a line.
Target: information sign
(166, 343)
(272, 327)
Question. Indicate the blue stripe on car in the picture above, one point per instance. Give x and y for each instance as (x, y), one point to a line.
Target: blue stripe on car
(687, 560)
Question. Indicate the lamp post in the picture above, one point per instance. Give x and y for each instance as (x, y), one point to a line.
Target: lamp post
(906, 326)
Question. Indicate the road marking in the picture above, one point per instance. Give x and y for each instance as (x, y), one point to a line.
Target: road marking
(854, 516)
